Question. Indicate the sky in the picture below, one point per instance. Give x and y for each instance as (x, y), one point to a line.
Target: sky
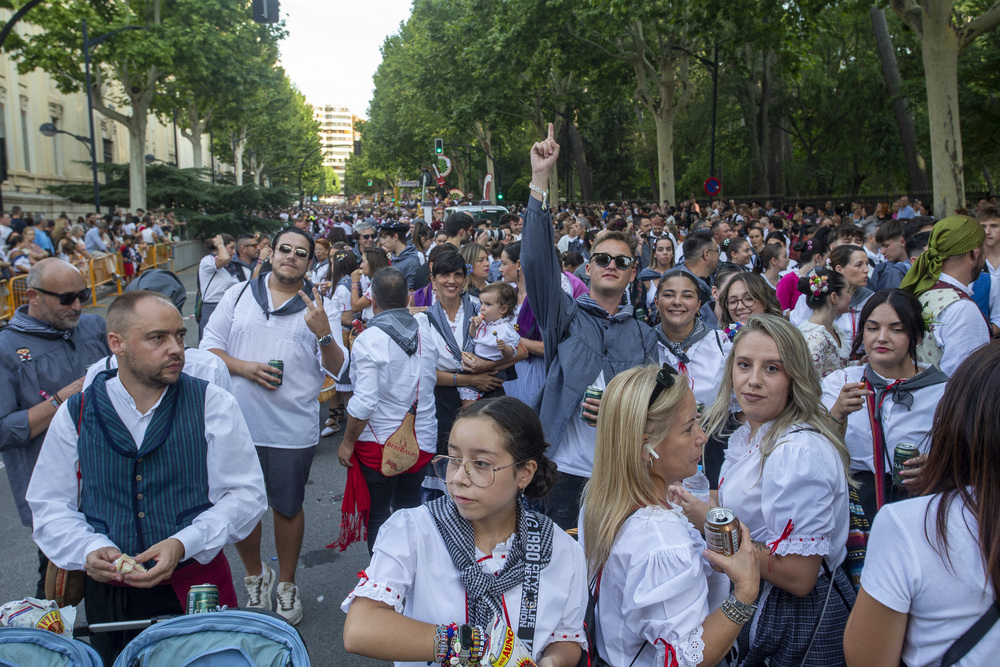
(332, 48)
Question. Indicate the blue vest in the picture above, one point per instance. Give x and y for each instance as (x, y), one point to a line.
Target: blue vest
(981, 293)
(140, 497)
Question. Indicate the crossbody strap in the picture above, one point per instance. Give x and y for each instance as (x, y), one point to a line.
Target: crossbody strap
(967, 641)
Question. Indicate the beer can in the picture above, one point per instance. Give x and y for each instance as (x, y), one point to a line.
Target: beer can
(280, 365)
(591, 392)
(722, 531)
(701, 407)
(203, 598)
(903, 452)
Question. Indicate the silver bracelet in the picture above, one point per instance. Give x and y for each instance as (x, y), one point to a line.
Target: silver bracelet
(736, 611)
(543, 193)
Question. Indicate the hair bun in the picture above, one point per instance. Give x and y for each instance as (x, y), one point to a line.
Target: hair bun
(545, 478)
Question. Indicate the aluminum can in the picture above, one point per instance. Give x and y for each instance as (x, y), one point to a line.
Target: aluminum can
(280, 365)
(591, 392)
(722, 531)
(203, 598)
(701, 407)
(903, 452)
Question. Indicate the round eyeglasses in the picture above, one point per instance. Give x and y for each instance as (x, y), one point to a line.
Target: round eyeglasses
(481, 473)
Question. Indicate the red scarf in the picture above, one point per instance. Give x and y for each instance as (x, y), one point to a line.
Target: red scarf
(357, 503)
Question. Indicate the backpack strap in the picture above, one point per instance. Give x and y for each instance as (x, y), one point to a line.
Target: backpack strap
(971, 637)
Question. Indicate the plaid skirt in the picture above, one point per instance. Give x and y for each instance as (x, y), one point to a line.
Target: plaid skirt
(780, 633)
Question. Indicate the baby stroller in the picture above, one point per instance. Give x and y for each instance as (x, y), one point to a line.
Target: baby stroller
(227, 638)
(30, 647)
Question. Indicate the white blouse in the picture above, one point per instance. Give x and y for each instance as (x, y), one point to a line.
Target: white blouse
(412, 572)
(826, 353)
(708, 364)
(805, 486)
(656, 585)
(898, 423)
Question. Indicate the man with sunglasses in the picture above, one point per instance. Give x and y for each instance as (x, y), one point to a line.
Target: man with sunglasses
(44, 354)
(366, 235)
(278, 315)
(587, 341)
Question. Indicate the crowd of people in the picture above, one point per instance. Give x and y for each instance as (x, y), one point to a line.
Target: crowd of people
(524, 407)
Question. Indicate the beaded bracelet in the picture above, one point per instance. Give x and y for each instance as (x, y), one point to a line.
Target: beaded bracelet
(442, 642)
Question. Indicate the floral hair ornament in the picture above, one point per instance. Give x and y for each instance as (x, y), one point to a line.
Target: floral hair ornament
(468, 268)
(732, 330)
(818, 284)
(809, 245)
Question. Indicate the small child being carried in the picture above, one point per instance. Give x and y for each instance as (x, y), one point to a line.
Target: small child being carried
(493, 330)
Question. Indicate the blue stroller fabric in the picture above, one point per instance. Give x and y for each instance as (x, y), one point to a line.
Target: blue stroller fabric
(229, 638)
(31, 647)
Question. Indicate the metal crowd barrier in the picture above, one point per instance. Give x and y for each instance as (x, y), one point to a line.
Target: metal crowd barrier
(96, 272)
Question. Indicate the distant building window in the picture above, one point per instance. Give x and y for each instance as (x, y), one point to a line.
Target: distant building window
(109, 151)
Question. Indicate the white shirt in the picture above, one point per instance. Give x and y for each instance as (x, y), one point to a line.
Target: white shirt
(898, 423)
(708, 363)
(656, 584)
(803, 482)
(412, 572)
(961, 329)
(214, 282)
(288, 417)
(575, 454)
(197, 363)
(147, 235)
(943, 597)
(235, 491)
(989, 268)
(489, 333)
(386, 381)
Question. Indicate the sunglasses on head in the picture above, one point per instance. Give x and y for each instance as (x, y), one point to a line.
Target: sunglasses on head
(603, 259)
(664, 380)
(67, 298)
(301, 253)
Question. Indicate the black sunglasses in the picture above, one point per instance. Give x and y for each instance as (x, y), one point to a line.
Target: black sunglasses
(664, 380)
(368, 236)
(301, 253)
(603, 259)
(67, 298)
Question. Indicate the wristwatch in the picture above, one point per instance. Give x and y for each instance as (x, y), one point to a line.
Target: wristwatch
(325, 340)
(736, 611)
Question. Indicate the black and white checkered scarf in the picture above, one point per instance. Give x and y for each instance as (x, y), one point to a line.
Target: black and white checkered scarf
(485, 590)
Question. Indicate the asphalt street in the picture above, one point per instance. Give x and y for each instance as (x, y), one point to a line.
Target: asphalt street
(325, 576)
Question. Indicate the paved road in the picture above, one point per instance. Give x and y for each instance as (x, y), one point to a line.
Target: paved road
(325, 576)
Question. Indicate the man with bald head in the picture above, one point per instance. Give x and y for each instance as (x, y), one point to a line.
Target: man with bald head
(44, 353)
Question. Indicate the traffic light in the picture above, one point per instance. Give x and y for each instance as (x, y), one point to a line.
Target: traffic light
(500, 196)
(439, 146)
(369, 182)
(265, 11)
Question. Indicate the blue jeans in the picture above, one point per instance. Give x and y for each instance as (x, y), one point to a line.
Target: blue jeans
(562, 505)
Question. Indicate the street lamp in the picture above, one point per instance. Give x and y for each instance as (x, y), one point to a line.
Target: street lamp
(150, 159)
(50, 130)
(302, 194)
(87, 45)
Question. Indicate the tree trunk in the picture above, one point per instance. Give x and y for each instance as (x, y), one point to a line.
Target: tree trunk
(664, 118)
(137, 161)
(940, 47)
(239, 146)
(483, 134)
(195, 138)
(989, 181)
(915, 166)
(582, 168)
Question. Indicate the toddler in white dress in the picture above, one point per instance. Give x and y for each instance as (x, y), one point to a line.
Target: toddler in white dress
(492, 331)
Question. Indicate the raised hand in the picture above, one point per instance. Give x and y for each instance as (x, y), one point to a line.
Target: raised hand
(543, 157)
(315, 316)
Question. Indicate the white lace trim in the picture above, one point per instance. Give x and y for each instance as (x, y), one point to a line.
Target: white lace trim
(740, 443)
(375, 591)
(690, 649)
(804, 546)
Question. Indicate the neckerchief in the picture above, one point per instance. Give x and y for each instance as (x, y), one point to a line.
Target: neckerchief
(485, 591)
(859, 297)
(680, 349)
(902, 389)
(258, 287)
(591, 307)
(35, 327)
(439, 320)
(400, 326)
(233, 269)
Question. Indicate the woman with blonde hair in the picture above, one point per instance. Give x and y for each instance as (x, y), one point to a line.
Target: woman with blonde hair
(477, 266)
(786, 475)
(658, 595)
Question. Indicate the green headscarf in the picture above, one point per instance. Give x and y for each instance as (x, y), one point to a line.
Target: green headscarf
(954, 235)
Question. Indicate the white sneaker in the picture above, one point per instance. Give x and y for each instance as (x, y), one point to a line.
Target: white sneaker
(289, 604)
(259, 588)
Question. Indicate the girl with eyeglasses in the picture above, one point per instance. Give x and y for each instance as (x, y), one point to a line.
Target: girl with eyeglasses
(786, 477)
(659, 600)
(455, 566)
(745, 295)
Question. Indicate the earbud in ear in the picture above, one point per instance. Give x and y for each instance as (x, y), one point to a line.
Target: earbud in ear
(652, 452)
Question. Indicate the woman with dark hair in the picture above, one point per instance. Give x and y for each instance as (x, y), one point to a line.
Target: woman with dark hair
(826, 294)
(447, 569)
(423, 237)
(684, 341)
(889, 400)
(342, 265)
(812, 253)
(932, 571)
(785, 475)
(738, 251)
(773, 259)
(448, 318)
(746, 294)
(373, 260)
(852, 262)
(662, 260)
(659, 600)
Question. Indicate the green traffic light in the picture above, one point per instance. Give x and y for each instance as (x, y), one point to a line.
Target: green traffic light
(500, 196)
